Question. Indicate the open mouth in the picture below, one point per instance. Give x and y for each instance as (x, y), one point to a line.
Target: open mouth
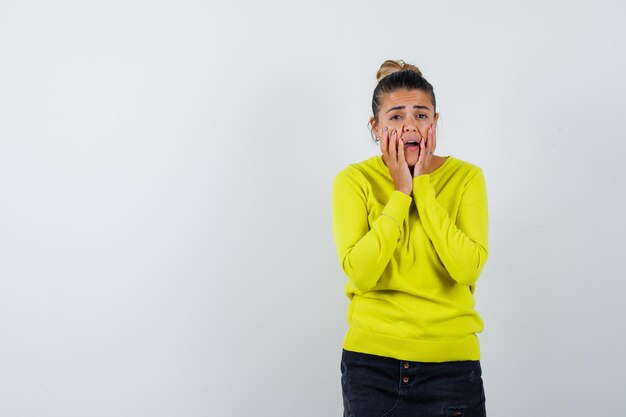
(411, 144)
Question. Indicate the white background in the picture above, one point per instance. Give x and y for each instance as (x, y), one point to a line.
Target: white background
(165, 177)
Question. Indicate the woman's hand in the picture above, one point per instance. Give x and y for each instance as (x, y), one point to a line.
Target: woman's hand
(425, 164)
(393, 156)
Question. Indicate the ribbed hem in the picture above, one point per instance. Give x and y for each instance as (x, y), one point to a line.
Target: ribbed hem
(463, 349)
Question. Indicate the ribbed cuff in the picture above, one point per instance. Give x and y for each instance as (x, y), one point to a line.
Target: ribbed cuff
(397, 207)
(423, 190)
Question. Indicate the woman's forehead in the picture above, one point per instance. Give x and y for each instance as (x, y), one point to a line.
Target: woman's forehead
(407, 97)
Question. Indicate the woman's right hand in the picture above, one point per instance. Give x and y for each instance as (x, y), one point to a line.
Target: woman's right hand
(392, 148)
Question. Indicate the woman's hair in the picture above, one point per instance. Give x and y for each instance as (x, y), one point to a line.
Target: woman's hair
(398, 75)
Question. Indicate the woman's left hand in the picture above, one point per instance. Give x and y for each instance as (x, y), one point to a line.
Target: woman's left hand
(425, 164)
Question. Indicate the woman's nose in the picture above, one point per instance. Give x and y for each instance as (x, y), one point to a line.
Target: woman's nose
(410, 127)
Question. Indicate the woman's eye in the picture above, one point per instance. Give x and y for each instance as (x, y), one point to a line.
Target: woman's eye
(422, 116)
(394, 117)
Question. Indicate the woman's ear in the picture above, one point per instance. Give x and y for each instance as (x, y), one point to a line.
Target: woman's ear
(436, 117)
(372, 123)
(372, 126)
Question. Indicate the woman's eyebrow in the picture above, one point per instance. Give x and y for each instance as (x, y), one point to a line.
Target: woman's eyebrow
(403, 107)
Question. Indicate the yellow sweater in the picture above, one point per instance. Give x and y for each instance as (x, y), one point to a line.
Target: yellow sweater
(412, 262)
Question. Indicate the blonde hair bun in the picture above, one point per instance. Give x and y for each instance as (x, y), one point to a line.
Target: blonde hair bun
(391, 66)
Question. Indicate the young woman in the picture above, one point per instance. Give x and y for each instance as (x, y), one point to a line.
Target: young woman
(411, 235)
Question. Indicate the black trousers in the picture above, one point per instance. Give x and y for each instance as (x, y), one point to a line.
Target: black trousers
(376, 386)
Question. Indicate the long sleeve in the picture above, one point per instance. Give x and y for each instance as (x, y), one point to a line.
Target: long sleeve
(461, 245)
(365, 250)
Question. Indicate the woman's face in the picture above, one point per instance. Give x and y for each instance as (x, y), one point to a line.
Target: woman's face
(410, 113)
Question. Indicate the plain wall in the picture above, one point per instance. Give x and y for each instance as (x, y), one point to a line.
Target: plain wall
(165, 214)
